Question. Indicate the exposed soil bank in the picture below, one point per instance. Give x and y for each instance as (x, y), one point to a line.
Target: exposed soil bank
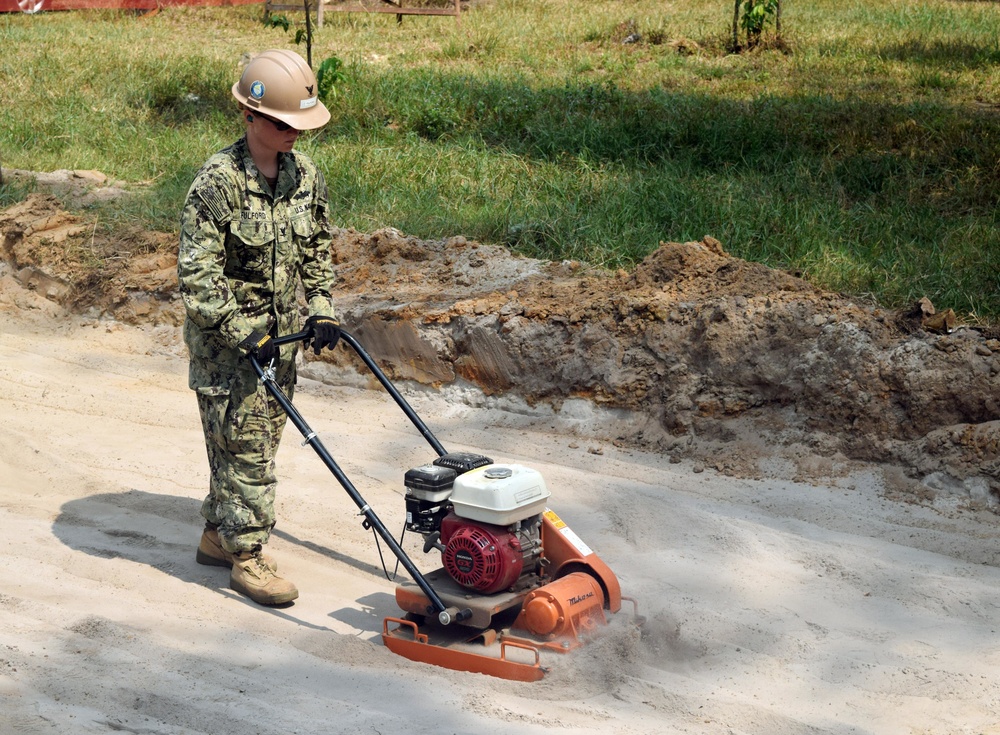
(695, 353)
(820, 599)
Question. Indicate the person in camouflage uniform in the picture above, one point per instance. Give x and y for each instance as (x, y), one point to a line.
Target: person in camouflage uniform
(254, 225)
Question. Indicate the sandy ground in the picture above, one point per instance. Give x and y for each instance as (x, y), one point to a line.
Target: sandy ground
(773, 607)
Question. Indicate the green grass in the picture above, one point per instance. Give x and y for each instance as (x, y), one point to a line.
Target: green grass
(866, 158)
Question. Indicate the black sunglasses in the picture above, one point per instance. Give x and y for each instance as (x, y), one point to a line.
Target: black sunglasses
(278, 124)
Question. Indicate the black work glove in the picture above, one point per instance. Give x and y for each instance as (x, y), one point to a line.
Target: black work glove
(261, 346)
(324, 331)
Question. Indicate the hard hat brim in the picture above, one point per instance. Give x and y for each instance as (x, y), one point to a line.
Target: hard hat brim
(309, 118)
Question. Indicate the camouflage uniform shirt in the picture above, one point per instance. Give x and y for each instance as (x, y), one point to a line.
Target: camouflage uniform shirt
(242, 250)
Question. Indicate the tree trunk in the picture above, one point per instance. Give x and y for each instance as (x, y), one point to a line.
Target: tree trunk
(736, 26)
(753, 31)
(309, 36)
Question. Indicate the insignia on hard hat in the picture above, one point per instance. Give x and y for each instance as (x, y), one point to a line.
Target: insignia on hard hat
(257, 90)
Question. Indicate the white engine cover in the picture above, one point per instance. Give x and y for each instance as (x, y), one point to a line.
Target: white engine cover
(499, 494)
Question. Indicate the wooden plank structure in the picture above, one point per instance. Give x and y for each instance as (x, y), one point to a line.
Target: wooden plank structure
(40, 6)
(394, 7)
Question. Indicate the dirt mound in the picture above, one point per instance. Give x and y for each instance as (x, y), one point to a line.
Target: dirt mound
(130, 274)
(696, 352)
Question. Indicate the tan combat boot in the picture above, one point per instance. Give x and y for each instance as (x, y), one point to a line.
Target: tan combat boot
(251, 576)
(212, 553)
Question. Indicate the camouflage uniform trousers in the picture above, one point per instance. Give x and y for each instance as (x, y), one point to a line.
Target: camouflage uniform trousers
(242, 432)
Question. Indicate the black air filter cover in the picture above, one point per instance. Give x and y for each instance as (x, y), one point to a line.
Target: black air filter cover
(462, 462)
(429, 478)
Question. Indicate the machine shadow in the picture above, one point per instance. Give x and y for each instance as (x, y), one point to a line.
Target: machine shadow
(329, 553)
(375, 608)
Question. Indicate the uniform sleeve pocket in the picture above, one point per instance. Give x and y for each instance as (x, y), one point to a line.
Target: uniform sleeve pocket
(303, 226)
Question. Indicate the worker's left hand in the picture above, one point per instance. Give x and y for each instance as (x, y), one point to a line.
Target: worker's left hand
(324, 331)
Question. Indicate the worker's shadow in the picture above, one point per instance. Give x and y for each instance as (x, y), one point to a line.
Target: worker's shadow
(162, 532)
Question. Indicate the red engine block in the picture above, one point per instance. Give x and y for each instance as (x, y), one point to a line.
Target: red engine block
(480, 556)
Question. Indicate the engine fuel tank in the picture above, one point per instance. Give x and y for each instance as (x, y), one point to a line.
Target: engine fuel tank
(499, 494)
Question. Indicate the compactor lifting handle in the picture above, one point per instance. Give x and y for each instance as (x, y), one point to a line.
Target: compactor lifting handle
(445, 614)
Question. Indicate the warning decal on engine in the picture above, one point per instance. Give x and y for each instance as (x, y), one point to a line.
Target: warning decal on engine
(568, 534)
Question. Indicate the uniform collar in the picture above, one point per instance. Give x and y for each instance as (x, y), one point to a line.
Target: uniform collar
(287, 172)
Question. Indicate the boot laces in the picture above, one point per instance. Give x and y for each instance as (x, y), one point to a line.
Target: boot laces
(256, 565)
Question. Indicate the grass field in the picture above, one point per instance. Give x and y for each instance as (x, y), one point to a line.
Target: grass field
(863, 156)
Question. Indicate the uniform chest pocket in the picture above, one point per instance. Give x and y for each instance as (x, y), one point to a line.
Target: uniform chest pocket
(249, 248)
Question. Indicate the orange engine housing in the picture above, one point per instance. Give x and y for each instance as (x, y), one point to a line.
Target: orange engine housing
(565, 608)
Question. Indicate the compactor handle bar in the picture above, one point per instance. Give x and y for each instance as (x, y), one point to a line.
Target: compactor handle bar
(377, 372)
(444, 614)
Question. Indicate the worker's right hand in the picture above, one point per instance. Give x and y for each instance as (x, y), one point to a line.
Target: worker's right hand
(261, 346)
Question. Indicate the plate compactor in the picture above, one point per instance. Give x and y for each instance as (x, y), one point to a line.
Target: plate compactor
(514, 579)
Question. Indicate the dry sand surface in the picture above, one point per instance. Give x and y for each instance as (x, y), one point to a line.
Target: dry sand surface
(773, 607)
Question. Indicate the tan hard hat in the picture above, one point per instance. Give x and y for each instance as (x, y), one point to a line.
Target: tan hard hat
(279, 83)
